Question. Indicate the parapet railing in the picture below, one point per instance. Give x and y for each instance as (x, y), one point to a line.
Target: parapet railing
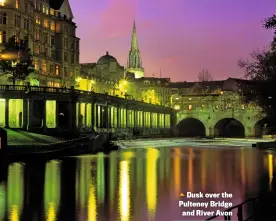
(240, 213)
(72, 90)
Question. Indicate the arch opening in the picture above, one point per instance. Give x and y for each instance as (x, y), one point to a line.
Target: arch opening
(264, 127)
(191, 127)
(229, 127)
(64, 115)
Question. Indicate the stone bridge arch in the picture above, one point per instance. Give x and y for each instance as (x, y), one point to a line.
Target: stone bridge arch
(191, 127)
(229, 127)
(235, 125)
(247, 119)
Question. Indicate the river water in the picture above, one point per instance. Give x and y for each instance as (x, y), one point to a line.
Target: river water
(137, 184)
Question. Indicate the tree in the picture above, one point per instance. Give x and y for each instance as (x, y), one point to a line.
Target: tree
(204, 76)
(261, 70)
(270, 23)
(18, 63)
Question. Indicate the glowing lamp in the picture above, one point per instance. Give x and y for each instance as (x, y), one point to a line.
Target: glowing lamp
(78, 79)
(2, 2)
(9, 55)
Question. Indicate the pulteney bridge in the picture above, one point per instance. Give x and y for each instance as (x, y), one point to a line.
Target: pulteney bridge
(219, 115)
(61, 109)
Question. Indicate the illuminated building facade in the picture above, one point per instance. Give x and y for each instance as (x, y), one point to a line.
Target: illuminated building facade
(102, 77)
(51, 36)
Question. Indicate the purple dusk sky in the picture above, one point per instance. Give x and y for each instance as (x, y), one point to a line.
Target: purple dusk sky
(180, 36)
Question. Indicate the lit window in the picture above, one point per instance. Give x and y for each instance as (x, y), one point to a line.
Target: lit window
(190, 107)
(57, 70)
(46, 23)
(44, 68)
(37, 49)
(36, 65)
(17, 4)
(52, 12)
(53, 27)
(177, 107)
(56, 84)
(37, 19)
(50, 84)
(2, 37)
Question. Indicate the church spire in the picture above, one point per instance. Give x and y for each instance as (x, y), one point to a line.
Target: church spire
(134, 59)
(134, 42)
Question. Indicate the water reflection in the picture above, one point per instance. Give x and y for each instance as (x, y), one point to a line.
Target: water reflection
(190, 170)
(52, 190)
(137, 184)
(151, 177)
(124, 190)
(15, 189)
(100, 177)
(270, 170)
(86, 188)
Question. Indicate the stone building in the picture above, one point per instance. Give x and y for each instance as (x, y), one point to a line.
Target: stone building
(51, 36)
(148, 89)
(104, 76)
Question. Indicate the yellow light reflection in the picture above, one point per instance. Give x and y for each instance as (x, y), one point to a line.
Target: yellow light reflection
(152, 157)
(270, 170)
(242, 168)
(203, 171)
(177, 174)
(92, 207)
(14, 216)
(190, 170)
(51, 215)
(124, 191)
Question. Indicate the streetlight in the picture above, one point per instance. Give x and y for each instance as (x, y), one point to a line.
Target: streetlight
(9, 56)
(2, 2)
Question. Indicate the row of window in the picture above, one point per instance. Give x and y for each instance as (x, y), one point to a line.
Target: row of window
(196, 106)
(51, 69)
(45, 36)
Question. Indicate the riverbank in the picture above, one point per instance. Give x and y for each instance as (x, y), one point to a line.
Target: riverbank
(24, 138)
(176, 142)
(28, 139)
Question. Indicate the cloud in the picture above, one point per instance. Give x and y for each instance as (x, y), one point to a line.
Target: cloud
(116, 19)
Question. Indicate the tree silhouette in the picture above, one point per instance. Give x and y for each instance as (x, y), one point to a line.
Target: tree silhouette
(261, 70)
(204, 76)
(18, 63)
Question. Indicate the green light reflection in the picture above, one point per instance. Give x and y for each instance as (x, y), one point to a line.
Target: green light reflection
(15, 191)
(52, 190)
(2, 201)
